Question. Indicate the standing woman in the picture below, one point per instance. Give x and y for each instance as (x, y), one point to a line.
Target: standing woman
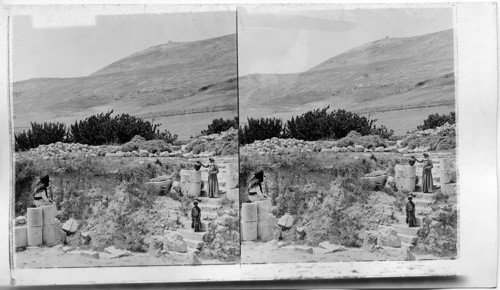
(213, 183)
(427, 184)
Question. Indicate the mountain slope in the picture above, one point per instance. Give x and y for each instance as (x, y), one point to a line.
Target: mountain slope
(175, 84)
(398, 81)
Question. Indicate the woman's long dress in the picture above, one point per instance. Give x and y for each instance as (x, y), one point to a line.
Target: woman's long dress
(427, 184)
(196, 219)
(213, 183)
(411, 220)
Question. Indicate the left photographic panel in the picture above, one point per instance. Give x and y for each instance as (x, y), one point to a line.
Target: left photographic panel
(124, 140)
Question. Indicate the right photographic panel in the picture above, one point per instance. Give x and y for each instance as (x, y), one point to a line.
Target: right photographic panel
(347, 134)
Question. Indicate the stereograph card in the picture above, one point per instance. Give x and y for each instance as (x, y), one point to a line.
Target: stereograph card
(243, 142)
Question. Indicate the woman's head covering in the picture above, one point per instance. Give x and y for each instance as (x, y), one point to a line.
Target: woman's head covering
(45, 179)
(195, 203)
(211, 159)
(412, 157)
(426, 155)
(410, 198)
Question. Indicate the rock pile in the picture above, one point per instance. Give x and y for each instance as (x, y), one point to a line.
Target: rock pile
(291, 146)
(438, 234)
(217, 144)
(222, 240)
(386, 241)
(64, 151)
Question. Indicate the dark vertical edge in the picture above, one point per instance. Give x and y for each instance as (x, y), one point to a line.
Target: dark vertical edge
(238, 114)
(11, 151)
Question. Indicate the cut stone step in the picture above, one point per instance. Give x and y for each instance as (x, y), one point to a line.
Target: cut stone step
(204, 225)
(424, 196)
(411, 239)
(208, 207)
(189, 234)
(402, 219)
(211, 201)
(194, 244)
(419, 203)
(208, 215)
(423, 211)
(404, 229)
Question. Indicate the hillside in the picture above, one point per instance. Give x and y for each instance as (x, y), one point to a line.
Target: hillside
(174, 84)
(399, 81)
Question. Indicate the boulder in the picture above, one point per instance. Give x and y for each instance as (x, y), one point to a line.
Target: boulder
(116, 253)
(70, 226)
(85, 238)
(301, 231)
(165, 154)
(191, 259)
(174, 242)
(350, 149)
(330, 248)
(406, 254)
(286, 221)
(359, 148)
(143, 153)
(370, 240)
(388, 237)
(391, 182)
(374, 183)
(380, 149)
(403, 151)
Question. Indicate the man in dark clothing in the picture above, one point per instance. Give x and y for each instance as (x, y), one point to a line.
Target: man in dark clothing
(411, 220)
(196, 217)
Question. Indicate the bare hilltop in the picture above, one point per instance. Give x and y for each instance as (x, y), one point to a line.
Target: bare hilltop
(399, 81)
(183, 86)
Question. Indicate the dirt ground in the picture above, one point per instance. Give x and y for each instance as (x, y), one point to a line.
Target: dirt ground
(260, 252)
(51, 257)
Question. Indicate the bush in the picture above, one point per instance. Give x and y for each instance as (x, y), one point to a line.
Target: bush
(318, 124)
(436, 120)
(220, 125)
(102, 129)
(382, 131)
(166, 136)
(260, 129)
(311, 126)
(40, 134)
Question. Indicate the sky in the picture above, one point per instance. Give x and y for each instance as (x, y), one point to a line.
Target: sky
(291, 42)
(75, 51)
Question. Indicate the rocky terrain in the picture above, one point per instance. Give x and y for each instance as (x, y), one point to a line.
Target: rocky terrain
(128, 204)
(345, 195)
(172, 84)
(224, 143)
(416, 142)
(385, 79)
